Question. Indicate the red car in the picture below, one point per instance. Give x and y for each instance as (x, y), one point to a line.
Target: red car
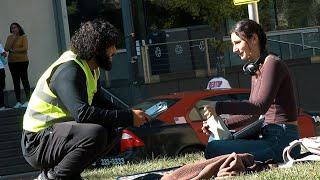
(187, 107)
(176, 124)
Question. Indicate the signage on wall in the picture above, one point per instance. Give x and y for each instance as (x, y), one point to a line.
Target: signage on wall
(240, 2)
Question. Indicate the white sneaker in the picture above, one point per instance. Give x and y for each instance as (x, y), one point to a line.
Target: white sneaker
(25, 104)
(18, 105)
(3, 108)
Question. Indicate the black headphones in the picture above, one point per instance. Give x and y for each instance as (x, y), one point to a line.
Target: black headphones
(250, 68)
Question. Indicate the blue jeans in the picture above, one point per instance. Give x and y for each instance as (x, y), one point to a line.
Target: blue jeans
(275, 137)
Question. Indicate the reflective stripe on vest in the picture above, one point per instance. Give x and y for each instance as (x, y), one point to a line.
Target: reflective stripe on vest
(44, 108)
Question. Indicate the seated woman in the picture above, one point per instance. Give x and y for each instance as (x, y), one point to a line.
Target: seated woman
(272, 95)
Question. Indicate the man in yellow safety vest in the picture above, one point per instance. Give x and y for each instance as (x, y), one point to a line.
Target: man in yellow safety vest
(68, 122)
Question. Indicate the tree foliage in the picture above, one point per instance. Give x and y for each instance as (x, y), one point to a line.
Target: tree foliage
(273, 14)
(297, 13)
(214, 12)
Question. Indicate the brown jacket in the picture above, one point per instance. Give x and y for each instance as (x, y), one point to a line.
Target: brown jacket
(18, 48)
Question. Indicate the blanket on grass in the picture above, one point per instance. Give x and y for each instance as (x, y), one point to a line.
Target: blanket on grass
(220, 166)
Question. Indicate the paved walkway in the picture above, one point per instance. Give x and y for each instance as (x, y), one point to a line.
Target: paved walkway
(24, 176)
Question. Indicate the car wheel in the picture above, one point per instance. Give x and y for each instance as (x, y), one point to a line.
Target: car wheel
(189, 150)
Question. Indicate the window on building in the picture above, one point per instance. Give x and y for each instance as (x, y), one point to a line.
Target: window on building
(84, 10)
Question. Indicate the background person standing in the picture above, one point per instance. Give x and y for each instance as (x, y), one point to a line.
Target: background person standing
(3, 62)
(17, 46)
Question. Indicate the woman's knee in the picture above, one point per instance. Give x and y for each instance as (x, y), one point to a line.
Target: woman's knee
(211, 150)
(221, 147)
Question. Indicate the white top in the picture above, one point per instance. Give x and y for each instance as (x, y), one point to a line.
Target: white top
(1, 48)
(1, 51)
(218, 83)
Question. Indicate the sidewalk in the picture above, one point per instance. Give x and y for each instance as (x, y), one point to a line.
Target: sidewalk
(23, 176)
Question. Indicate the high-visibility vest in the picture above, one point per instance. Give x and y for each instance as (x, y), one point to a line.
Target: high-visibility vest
(45, 108)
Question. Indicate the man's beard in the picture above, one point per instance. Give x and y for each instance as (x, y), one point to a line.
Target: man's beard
(104, 61)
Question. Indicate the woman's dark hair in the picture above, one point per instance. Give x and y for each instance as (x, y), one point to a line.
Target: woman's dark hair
(21, 31)
(93, 37)
(245, 30)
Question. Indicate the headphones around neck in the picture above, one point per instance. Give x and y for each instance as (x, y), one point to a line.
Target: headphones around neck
(250, 68)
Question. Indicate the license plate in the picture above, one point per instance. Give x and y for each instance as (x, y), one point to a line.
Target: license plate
(105, 162)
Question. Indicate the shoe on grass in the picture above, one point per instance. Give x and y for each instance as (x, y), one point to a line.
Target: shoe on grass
(18, 105)
(25, 105)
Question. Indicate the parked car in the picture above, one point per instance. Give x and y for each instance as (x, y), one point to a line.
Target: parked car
(175, 127)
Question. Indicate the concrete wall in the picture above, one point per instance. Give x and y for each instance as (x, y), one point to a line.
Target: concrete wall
(37, 17)
(40, 29)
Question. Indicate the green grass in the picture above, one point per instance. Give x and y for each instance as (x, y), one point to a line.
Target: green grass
(306, 171)
(147, 165)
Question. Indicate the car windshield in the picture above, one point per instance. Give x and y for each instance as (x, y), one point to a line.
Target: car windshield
(156, 106)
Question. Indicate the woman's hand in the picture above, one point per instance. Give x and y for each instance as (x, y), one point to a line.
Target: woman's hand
(209, 110)
(205, 127)
(4, 54)
(139, 118)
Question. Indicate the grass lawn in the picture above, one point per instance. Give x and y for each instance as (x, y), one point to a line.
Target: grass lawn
(306, 171)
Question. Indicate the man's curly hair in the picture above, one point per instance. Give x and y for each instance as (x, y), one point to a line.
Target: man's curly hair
(93, 37)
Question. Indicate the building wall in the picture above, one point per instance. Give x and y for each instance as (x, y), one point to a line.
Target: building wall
(38, 20)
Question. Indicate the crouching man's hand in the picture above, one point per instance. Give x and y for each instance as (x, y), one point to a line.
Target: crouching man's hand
(139, 117)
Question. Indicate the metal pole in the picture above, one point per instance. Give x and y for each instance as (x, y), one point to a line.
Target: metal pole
(147, 56)
(290, 51)
(141, 19)
(128, 35)
(144, 56)
(253, 11)
(207, 57)
(62, 28)
(276, 14)
(302, 39)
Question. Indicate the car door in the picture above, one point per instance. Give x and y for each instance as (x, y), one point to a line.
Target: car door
(166, 139)
(196, 115)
